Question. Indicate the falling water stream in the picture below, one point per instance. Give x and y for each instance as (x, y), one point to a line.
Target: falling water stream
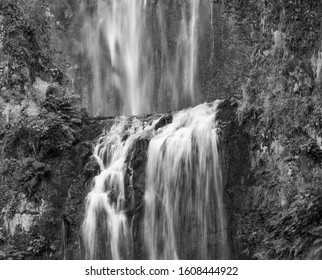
(183, 212)
(105, 225)
(135, 71)
(184, 195)
(105, 203)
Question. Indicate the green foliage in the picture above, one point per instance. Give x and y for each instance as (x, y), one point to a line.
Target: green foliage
(229, 56)
(232, 62)
(281, 104)
(60, 101)
(37, 245)
(245, 12)
(299, 19)
(47, 134)
(26, 39)
(297, 230)
(302, 25)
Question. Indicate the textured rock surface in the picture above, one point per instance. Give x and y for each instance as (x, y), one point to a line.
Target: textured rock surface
(42, 202)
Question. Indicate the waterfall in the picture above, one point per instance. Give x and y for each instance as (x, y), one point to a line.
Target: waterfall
(187, 49)
(136, 66)
(106, 231)
(184, 214)
(115, 45)
(184, 190)
(143, 57)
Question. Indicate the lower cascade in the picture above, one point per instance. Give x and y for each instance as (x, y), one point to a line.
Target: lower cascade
(183, 207)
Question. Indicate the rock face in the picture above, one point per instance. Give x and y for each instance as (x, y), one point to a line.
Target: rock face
(46, 217)
(42, 202)
(235, 147)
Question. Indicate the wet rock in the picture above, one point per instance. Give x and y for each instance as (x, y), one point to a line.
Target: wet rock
(125, 136)
(166, 119)
(92, 168)
(83, 152)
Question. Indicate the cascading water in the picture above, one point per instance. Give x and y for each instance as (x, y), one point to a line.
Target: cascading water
(143, 56)
(106, 231)
(184, 212)
(184, 215)
(130, 64)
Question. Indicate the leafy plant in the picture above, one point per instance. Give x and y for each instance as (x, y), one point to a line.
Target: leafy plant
(37, 245)
(26, 40)
(297, 229)
(49, 133)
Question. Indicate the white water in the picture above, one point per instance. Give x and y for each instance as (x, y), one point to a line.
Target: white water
(118, 42)
(135, 71)
(184, 211)
(187, 49)
(184, 190)
(105, 219)
(117, 26)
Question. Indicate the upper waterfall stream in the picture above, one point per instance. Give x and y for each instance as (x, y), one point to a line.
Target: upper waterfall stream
(143, 55)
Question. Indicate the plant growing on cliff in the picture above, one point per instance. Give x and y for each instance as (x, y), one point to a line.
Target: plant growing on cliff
(26, 39)
(37, 245)
(49, 133)
(282, 104)
(296, 231)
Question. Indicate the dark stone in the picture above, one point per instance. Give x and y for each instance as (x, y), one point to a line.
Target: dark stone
(92, 168)
(166, 119)
(125, 136)
(235, 142)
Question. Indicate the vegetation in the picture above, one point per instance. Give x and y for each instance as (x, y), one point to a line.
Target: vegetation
(281, 106)
(26, 42)
(38, 125)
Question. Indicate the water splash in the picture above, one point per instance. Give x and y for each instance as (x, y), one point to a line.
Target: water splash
(184, 212)
(130, 64)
